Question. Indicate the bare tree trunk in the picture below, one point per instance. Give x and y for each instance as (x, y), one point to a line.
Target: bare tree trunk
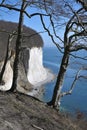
(18, 45)
(6, 58)
(10, 37)
(55, 102)
(5, 62)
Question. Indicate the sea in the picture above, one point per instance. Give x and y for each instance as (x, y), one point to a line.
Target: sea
(77, 101)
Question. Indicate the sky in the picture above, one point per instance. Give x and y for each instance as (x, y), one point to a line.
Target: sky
(33, 23)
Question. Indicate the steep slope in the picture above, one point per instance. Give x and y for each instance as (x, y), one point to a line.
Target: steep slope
(21, 112)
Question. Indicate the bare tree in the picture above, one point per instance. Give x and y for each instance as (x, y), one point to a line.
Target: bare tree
(74, 40)
(18, 45)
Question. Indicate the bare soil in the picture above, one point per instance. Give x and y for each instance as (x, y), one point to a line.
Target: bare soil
(21, 112)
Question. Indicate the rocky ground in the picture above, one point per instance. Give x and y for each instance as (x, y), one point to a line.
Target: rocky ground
(21, 112)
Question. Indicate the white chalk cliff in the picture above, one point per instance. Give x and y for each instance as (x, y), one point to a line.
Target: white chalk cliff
(37, 73)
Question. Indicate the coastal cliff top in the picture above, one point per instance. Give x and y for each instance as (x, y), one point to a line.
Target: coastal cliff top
(21, 112)
(30, 37)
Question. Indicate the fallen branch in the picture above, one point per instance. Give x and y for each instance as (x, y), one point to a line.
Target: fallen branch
(39, 128)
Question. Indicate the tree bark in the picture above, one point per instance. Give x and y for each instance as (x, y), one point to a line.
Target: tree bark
(55, 102)
(5, 61)
(8, 56)
(18, 45)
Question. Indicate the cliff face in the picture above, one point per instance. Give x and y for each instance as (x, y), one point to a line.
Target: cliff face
(31, 56)
(36, 71)
(32, 60)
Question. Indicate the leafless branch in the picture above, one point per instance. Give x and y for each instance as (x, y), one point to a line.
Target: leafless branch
(73, 84)
(57, 45)
(9, 7)
(68, 27)
(77, 16)
(2, 1)
(83, 58)
(47, 30)
(78, 47)
(13, 8)
(54, 29)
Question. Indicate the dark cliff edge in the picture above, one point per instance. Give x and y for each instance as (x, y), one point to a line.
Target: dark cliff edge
(30, 37)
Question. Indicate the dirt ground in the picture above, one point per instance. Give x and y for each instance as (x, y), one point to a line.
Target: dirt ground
(21, 112)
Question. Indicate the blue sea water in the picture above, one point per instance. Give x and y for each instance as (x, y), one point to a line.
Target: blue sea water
(78, 99)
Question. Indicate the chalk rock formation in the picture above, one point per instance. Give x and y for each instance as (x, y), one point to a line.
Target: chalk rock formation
(7, 77)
